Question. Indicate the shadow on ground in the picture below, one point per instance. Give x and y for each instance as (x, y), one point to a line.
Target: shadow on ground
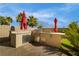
(5, 42)
(36, 44)
(52, 50)
(48, 49)
(30, 49)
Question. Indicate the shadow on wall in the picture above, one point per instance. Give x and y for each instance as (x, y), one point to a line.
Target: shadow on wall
(4, 39)
(26, 38)
(5, 42)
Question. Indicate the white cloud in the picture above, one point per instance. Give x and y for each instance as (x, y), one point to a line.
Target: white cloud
(44, 15)
(41, 14)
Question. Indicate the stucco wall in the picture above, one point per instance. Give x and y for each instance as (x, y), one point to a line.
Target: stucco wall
(4, 31)
(45, 38)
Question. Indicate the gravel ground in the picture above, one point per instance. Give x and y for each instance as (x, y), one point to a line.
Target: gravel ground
(28, 50)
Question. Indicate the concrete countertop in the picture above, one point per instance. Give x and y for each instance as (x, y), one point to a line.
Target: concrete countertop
(53, 33)
(18, 32)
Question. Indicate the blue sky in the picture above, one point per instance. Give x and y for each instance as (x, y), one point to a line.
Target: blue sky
(44, 12)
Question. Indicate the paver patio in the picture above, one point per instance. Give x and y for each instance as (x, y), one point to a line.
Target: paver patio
(29, 49)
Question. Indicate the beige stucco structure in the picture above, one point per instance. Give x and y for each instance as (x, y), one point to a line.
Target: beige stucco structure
(45, 36)
(48, 38)
(17, 38)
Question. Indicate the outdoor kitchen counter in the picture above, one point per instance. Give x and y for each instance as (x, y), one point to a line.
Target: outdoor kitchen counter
(49, 38)
(17, 38)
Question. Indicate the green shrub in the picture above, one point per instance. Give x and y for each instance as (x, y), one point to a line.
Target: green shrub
(72, 35)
